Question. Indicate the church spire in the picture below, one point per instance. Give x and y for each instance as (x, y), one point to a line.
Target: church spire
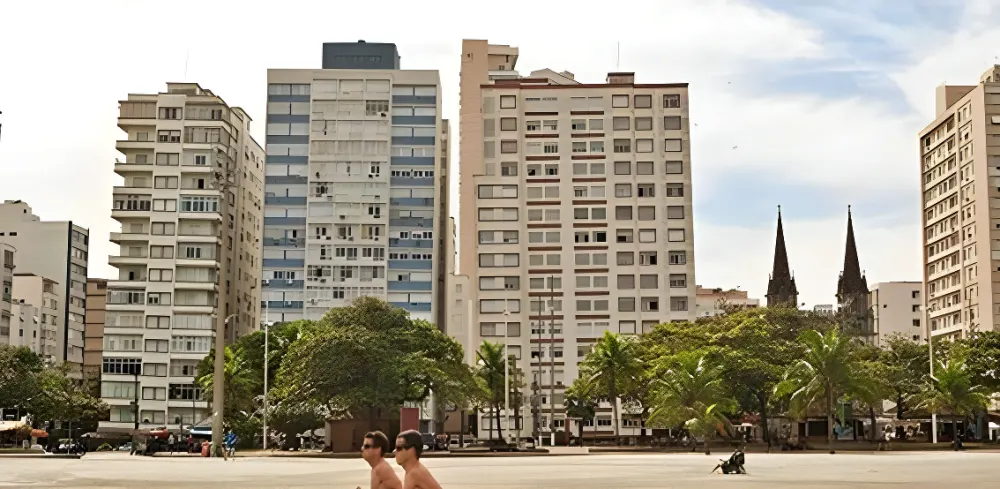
(852, 287)
(852, 280)
(781, 290)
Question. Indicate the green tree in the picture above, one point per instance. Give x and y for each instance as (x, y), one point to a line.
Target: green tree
(690, 390)
(982, 354)
(19, 367)
(906, 364)
(61, 398)
(241, 383)
(490, 370)
(580, 405)
(370, 358)
(828, 369)
(612, 368)
(952, 391)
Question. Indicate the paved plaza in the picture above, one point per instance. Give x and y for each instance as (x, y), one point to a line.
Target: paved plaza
(813, 470)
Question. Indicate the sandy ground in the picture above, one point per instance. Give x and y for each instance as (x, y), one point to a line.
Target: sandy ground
(811, 470)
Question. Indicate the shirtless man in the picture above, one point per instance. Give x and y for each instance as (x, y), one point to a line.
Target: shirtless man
(373, 450)
(409, 446)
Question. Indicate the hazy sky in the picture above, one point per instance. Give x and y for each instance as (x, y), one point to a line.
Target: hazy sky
(821, 99)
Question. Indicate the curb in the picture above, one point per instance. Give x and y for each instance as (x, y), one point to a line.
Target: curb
(58, 456)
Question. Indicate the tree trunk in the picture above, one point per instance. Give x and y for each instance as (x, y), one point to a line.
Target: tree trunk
(763, 417)
(871, 414)
(829, 416)
(499, 427)
(579, 431)
(899, 406)
(461, 429)
(708, 451)
(614, 410)
(954, 431)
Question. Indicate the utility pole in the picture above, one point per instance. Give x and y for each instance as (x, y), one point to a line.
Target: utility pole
(552, 367)
(267, 329)
(536, 384)
(223, 179)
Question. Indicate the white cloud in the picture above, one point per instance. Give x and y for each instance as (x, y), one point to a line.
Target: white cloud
(731, 256)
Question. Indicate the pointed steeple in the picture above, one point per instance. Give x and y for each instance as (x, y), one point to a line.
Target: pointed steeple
(852, 288)
(852, 280)
(781, 288)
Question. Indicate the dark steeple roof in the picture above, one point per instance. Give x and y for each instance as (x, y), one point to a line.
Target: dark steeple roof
(852, 280)
(781, 288)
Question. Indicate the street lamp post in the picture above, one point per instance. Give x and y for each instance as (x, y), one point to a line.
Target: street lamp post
(267, 329)
(219, 385)
(506, 370)
(552, 367)
(224, 175)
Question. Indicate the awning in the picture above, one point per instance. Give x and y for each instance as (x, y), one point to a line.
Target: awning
(36, 433)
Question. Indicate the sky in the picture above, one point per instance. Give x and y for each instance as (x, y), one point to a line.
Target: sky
(812, 105)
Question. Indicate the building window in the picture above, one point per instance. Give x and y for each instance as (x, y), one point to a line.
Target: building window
(672, 101)
(678, 303)
(675, 235)
(677, 257)
(672, 146)
(671, 123)
(619, 101)
(644, 146)
(674, 167)
(675, 212)
(643, 123)
(171, 113)
(508, 102)
(158, 322)
(678, 280)
(508, 146)
(643, 102)
(620, 124)
(199, 204)
(623, 145)
(508, 123)
(675, 190)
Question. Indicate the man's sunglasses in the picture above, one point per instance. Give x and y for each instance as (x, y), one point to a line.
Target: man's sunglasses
(400, 448)
(366, 446)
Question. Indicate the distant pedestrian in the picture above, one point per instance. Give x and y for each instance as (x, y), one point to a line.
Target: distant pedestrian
(230, 441)
(171, 444)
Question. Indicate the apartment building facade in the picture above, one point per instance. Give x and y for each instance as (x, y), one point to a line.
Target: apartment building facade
(58, 251)
(897, 310)
(6, 298)
(41, 294)
(354, 186)
(94, 319)
(960, 166)
(715, 301)
(191, 210)
(576, 216)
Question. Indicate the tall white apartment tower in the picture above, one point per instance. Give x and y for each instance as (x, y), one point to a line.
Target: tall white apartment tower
(6, 299)
(191, 210)
(576, 215)
(352, 194)
(58, 251)
(959, 169)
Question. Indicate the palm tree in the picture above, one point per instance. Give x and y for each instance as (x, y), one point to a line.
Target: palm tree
(612, 367)
(491, 370)
(951, 390)
(827, 370)
(240, 382)
(690, 391)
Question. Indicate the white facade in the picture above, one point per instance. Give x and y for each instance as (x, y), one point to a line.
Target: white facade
(7, 282)
(41, 296)
(56, 250)
(897, 309)
(576, 216)
(716, 301)
(180, 233)
(25, 326)
(353, 196)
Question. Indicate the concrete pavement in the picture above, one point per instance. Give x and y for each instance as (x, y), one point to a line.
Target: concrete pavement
(810, 470)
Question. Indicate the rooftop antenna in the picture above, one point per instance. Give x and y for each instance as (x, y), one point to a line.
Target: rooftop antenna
(618, 57)
(187, 57)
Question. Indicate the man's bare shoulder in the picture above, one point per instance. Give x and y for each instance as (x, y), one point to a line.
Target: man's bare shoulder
(387, 478)
(420, 478)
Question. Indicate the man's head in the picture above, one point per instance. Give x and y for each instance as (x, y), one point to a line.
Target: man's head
(375, 447)
(409, 446)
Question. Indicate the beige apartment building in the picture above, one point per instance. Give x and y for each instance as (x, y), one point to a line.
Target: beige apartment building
(93, 346)
(41, 294)
(897, 310)
(576, 215)
(715, 301)
(191, 212)
(7, 281)
(58, 251)
(960, 174)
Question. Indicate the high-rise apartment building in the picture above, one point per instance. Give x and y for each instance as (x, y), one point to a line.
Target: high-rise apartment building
(42, 295)
(896, 311)
(191, 211)
(94, 319)
(576, 215)
(352, 202)
(57, 251)
(7, 281)
(960, 161)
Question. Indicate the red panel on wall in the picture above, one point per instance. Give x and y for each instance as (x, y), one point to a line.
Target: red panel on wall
(409, 419)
